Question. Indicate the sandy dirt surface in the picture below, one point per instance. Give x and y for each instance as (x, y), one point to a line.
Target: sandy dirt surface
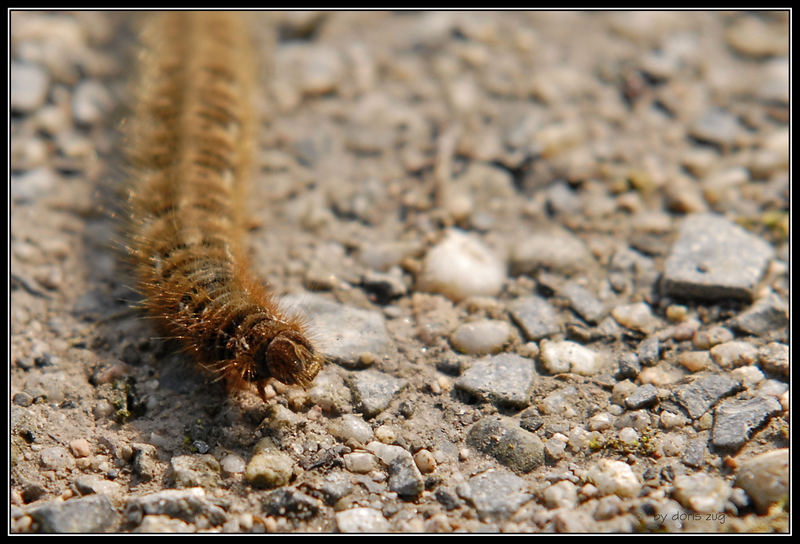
(546, 252)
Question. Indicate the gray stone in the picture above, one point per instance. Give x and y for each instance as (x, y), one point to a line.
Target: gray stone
(497, 494)
(535, 316)
(768, 316)
(373, 390)
(629, 270)
(717, 127)
(93, 514)
(29, 85)
(774, 357)
(348, 332)
(645, 395)
(290, 503)
(649, 351)
(405, 479)
(694, 455)
(583, 302)
(714, 259)
(503, 439)
(736, 420)
(628, 366)
(704, 393)
(765, 478)
(557, 251)
(185, 504)
(194, 471)
(504, 379)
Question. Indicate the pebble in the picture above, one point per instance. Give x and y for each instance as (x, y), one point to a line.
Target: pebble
(361, 520)
(774, 357)
(56, 458)
(373, 390)
(360, 462)
(614, 478)
(503, 439)
(496, 494)
(330, 392)
(600, 421)
(481, 337)
(628, 366)
(644, 396)
(765, 478)
(269, 469)
(711, 337)
(158, 524)
(563, 494)
(29, 85)
(200, 470)
(93, 514)
(755, 38)
(290, 503)
(583, 302)
(557, 251)
(749, 376)
(535, 316)
(503, 379)
(694, 455)
(704, 393)
(734, 354)
(649, 351)
(461, 266)
(187, 504)
(90, 484)
(565, 356)
(694, 361)
(673, 444)
(425, 461)
(702, 493)
(405, 479)
(714, 258)
(637, 317)
(560, 401)
(556, 446)
(736, 420)
(91, 102)
(232, 464)
(671, 420)
(768, 316)
(716, 126)
(351, 427)
(348, 332)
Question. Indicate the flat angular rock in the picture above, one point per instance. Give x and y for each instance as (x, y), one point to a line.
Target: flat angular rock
(535, 316)
(93, 514)
(704, 393)
(373, 390)
(714, 259)
(736, 420)
(504, 379)
(497, 494)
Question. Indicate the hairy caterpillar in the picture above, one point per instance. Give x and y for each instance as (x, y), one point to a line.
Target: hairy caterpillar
(190, 140)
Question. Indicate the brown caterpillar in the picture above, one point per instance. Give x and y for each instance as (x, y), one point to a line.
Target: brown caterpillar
(190, 141)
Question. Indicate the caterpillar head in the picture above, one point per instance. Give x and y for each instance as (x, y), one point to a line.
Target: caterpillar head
(290, 358)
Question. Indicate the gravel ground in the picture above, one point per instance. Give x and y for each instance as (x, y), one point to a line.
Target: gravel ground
(546, 252)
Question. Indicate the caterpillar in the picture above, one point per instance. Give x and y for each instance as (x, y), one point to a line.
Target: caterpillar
(190, 139)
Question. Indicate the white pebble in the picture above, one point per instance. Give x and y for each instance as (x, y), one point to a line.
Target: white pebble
(481, 337)
(29, 87)
(636, 317)
(361, 520)
(564, 356)
(360, 462)
(461, 266)
(614, 478)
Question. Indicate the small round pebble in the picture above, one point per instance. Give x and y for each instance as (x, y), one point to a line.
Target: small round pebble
(461, 266)
(425, 461)
(565, 356)
(637, 317)
(481, 337)
(361, 520)
(694, 361)
(614, 478)
(734, 354)
(360, 462)
(232, 464)
(711, 337)
(80, 447)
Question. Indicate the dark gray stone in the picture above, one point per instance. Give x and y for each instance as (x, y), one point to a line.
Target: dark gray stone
(290, 503)
(497, 494)
(649, 351)
(373, 390)
(704, 393)
(503, 439)
(768, 316)
(93, 514)
(535, 316)
(628, 366)
(504, 379)
(714, 259)
(185, 504)
(736, 420)
(405, 479)
(645, 395)
(583, 302)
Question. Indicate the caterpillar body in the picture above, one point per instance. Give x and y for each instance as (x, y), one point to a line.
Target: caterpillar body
(190, 143)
